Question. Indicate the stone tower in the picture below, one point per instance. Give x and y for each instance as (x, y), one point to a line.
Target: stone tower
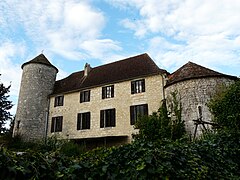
(38, 78)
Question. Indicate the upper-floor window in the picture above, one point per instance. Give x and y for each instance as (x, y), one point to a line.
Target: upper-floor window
(85, 96)
(137, 111)
(58, 101)
(108, 92)
(83, 121)
(138, 86)
(107, 118)
(57, 124)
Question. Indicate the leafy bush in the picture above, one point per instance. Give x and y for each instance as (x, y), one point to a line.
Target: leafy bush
(225, 107)
(160, 125)
(214, 157)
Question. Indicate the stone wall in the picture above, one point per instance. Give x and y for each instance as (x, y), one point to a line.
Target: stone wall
(36, 85)
(194, 93)
(121, 101)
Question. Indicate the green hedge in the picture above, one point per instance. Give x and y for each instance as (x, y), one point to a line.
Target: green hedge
(216, 156)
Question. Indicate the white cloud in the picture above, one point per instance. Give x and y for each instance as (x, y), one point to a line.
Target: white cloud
(59, 26)
(11, 71)
(203, 31)
(99, 48)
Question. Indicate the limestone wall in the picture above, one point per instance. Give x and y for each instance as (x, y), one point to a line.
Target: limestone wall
(36, 85)
(122, 101)
(194, 93)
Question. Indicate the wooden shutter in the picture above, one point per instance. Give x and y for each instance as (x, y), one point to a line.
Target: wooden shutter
(112, 91)
(132, 117)
(55, 102)
(60, 123)
(88, 95)
(113, 118)
(145, 109)
(88, 117)
(143, 85)
(53, 124)
(79, 121)
(103, 92)
(81, 97)
(102, 118)
(132, 87)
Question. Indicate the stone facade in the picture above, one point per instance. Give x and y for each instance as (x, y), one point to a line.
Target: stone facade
(32, 110)
(195, 93)
(38, 113)
(121, 101)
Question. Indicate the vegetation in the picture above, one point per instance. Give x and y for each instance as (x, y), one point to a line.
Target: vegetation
(163, 124)
(154, 154)
(5, 106)
(226, 107)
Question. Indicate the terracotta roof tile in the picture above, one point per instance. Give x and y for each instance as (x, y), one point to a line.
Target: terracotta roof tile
(40, 59)
(127, 69)
(192, 71)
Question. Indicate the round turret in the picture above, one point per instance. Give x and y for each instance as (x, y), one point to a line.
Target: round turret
(38, 78)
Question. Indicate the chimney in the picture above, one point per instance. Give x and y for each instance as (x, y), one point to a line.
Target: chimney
(87, 69)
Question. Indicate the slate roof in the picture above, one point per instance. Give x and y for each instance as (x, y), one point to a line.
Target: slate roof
(40, 59)
(126, 69)
(193, 71)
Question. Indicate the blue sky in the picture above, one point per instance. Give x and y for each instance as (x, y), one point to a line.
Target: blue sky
(73, 32)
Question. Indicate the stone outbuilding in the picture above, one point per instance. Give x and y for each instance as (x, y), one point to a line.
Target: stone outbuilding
(195, 85)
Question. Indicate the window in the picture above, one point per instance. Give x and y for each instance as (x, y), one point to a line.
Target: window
(85, 96)
(57, 124)
(138, 86)
(58, 101)
(136, 111)
(18, 124)
(107, 118)
(108, 92)
(200, 111)
(83, 121)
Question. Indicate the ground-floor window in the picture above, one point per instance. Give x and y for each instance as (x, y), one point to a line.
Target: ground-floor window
(83, 121)
(137, 111)
(107, 118)
(57, 124)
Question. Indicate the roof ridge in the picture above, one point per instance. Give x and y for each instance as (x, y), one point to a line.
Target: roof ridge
(132, 57)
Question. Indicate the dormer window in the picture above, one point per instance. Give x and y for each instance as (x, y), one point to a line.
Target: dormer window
(58, 101)
(138, 86)
(108, 92)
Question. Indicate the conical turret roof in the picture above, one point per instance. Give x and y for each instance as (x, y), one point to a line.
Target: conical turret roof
(193, 71)
(40, 59)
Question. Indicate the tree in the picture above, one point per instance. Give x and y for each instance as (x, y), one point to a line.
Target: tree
(5, 106)
(225, 107)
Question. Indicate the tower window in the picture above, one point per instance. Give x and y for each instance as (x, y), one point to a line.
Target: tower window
(57, 124)
(107, 118)
(138, 86)
(18, 124)
(108, 92)
(84, 96)
(83, 121)
(136, 111)
(58, 101)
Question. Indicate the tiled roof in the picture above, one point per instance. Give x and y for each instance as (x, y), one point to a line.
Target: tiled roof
(40, 59)
(192, 71)
(127, 69)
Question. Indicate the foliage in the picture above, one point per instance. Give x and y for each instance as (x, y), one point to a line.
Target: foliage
(225, 107)
(215, 157)
(5, 106)
(160, 125)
